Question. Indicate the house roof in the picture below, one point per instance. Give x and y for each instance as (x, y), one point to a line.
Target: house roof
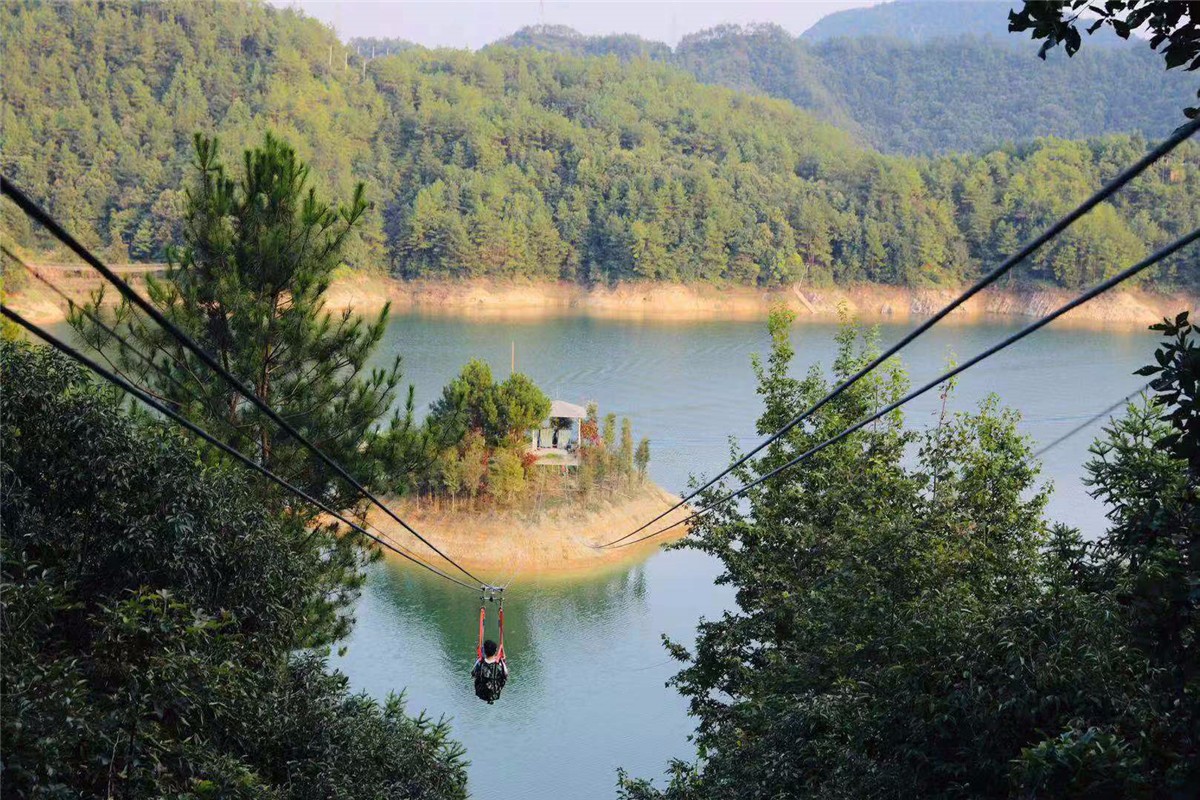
(564, 410)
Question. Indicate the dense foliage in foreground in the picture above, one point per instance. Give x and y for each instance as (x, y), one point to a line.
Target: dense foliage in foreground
(163, 625)
(166, 619)
(524, 164)
(912, 627)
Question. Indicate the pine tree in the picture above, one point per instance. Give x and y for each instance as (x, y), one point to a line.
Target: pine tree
(248, 285)
(608, 456)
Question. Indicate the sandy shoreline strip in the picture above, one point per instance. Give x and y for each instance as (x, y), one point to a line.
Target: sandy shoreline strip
(488, 299)
(1125, 308)
(496, 544)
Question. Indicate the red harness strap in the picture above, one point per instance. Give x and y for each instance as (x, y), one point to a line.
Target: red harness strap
(479, 647)
(501, 650)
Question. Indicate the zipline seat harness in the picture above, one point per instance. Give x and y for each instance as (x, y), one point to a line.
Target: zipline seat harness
(490, 676)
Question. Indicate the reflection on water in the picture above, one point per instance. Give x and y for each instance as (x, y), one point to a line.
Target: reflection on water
(449, 620)
(587, 690)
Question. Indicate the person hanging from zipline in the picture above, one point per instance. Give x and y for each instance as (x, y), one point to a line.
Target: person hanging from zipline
(490, 672)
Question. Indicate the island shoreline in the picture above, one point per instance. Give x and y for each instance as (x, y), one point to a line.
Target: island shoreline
(560, 540)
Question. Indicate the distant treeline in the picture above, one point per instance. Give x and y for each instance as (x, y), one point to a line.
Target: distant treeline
(517, 163)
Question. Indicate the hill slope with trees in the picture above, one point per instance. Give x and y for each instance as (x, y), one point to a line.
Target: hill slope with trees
(516, 163)
(962, 93)
(921, 89)
(100, 104)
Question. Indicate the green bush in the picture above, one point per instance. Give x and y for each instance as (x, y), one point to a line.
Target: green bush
(506, 476)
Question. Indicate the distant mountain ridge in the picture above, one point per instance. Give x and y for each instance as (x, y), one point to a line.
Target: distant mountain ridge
(565, 40)
(916, 21)
(917, 90)
(927, 20)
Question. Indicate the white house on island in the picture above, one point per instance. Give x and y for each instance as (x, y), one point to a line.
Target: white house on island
(556, 441)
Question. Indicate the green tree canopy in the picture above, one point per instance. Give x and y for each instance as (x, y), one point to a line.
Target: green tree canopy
(501, 412)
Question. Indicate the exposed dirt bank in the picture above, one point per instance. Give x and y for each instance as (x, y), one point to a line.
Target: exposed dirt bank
(516, 300)
(1125, 308)
(496, 544)
(41, 306)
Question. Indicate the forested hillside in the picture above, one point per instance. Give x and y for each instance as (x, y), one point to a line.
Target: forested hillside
(517, 163)
(522, 163)
(100, 104)
(567, 41)
(921, 94)
(965, 93)
(913, 21)
(373, 46)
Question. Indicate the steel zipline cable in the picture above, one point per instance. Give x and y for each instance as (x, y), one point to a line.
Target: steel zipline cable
(34, 211)
(127, 345)
(1091, 420)
(1110, 188)
(95, 319)
(893, 540)
(1079, 300)
(828, 577)
(175, 416)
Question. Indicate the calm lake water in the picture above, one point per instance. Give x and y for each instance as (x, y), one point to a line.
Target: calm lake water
(587, 692)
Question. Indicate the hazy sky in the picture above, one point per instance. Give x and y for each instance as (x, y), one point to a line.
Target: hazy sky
(474, 23)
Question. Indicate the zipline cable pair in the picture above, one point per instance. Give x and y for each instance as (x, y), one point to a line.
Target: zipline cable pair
(165, 410)
(1079, 300)
(826, 578)
(1154, 155)
(42, 217)
(97, 321)
(125, 344)
(817, 584)
(1110, 188)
